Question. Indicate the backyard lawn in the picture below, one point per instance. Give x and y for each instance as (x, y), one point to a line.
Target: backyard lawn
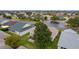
(24, 41)
(27, 20)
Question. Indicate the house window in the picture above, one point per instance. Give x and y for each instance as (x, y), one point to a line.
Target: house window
(63, 48)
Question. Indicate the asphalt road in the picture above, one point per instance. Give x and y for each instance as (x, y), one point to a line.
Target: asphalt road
(61, 25)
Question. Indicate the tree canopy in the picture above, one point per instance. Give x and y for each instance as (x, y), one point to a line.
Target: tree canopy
(74, 22)
(42, 36)
(45, 18)
(12, 41)
(7, 16)
(54, 18)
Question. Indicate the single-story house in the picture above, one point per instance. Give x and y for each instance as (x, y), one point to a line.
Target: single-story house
(69, 39)
(2, 21)
(7, 23)
(10, 23)
(61, 17)
(22, 28)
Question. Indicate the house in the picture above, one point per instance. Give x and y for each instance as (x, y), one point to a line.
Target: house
(7, 23)
(2, 21)
(22, 28)
(69, 39)
(61, 17)
(7, 14)
(10, 23)
(60, 14)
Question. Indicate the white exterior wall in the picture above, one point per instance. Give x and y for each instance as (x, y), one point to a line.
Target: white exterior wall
(26, 31)
(17, 32)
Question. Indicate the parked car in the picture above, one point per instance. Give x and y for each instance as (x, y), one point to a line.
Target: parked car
(55, 22)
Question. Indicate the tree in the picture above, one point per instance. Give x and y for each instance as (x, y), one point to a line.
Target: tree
(42, 36)
(12, 41)
(21, 16)
(36, 20)
(74, 22)
(54, 18)
(8, 17)
(65, 13)
(45, 18)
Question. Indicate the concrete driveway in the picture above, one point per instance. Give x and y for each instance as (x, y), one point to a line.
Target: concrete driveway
(2, 41)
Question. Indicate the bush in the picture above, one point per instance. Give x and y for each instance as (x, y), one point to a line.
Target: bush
(12, 41)
(74, 22)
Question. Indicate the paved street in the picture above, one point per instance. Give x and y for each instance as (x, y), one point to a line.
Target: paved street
(61, 25)
(54, 27)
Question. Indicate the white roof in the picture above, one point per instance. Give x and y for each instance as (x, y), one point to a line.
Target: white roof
(3, 21)
(5, 26)
(69, 39)
(26, 25)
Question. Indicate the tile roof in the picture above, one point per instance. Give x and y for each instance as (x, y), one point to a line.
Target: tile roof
(10, 23)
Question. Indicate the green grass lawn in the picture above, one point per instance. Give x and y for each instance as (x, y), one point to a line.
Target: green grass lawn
(27, 20)
(24, 41)
(11, 33)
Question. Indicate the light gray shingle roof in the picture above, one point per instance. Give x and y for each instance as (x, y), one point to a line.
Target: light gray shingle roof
(69, 39)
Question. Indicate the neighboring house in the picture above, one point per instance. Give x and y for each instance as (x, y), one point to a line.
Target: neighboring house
(10, 23)
(60, 14)
(69, 39)
(61, 17)
(7, 14)
(2, 21)
(21, 28)
(48, 16)
(1, 16)
(3, 35)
